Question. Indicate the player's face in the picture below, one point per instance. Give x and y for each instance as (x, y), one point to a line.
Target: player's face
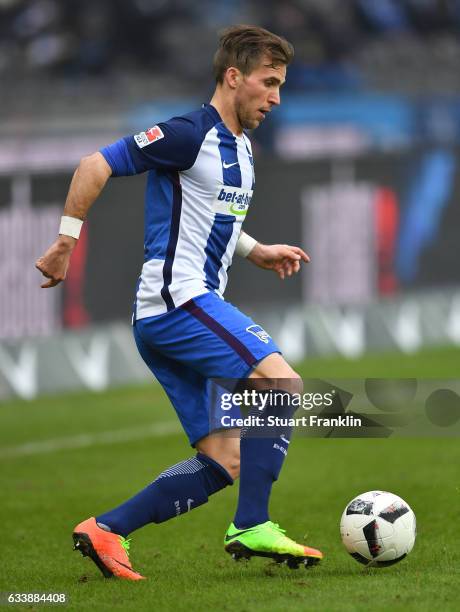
(258, 92)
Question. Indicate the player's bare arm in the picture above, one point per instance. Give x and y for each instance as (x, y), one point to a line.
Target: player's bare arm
(284, 259)
(87, 183)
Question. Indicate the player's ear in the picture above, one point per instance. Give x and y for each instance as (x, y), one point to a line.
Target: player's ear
(233, 77)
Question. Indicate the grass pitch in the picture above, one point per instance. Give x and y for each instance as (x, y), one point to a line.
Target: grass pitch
(59, 465)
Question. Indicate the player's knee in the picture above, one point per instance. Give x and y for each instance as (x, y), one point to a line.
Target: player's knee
(296, 383)
(289, 380)
(234, 470)
(233, 467)
(231, 463)
(224, 450)
(274, 366)
(228, 457)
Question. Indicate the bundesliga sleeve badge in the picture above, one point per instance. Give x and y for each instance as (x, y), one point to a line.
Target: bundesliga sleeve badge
(151, 135)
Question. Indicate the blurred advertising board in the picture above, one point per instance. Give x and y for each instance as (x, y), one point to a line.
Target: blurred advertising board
(377, 227)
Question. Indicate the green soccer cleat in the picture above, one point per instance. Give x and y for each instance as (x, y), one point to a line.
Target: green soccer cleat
(268, 540)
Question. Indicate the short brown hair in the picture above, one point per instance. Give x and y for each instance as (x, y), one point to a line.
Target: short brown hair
(243, 46)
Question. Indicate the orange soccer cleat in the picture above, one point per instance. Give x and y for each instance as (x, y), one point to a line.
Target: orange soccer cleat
(109, 551)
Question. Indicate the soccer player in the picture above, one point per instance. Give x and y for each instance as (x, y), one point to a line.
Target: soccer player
(199, 187)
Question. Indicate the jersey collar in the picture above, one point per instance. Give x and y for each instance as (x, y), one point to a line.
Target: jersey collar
(209, 108)
(218, 119)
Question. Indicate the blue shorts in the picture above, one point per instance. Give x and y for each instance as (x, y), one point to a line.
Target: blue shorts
(204, 338)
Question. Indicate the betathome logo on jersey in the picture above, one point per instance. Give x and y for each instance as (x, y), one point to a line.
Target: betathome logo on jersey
(232, 201)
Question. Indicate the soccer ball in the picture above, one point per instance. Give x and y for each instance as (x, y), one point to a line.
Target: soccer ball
(378, 528)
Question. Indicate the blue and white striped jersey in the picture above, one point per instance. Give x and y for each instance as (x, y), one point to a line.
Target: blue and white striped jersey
(200, 185)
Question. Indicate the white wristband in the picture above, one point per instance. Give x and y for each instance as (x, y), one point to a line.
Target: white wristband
(70, 226)
(245, 244)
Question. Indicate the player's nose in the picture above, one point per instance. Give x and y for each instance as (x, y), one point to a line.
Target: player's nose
(274, 98)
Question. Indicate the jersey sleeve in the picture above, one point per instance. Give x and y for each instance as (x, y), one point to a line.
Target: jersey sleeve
(171, 145)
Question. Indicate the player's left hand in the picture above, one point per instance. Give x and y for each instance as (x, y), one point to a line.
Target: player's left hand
(284, 259)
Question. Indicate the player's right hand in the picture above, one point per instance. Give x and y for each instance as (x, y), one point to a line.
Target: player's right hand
(55, 262)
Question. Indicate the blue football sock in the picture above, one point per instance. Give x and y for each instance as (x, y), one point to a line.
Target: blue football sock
(263, 450)
(178, 489)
